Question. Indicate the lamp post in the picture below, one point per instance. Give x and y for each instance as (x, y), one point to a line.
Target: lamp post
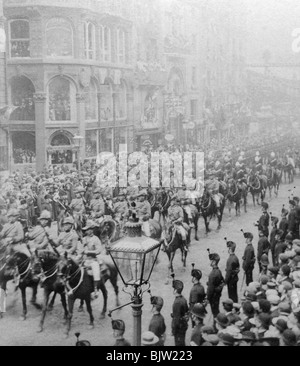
(77, 138)
(134, 257)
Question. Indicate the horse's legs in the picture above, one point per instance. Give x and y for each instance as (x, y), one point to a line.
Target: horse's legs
(80, 309)
(64, 304)
(113, 281)
(2, 300)
(23, 292)
(44, 309)
(229, 207)
(51, 305)
(196, 228)
(71, 302)
(90, 310)
(206, 224)
(104, 293)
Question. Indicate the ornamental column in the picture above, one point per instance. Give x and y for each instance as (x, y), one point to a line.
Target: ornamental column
(40, 130)
(80, 100)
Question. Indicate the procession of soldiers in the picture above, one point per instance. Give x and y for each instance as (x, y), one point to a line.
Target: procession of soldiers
(74, 203)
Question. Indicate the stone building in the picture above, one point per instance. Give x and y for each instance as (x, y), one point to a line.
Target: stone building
(86, 76)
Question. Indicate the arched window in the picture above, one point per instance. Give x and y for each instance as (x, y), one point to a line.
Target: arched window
(59, 38)
(22, 91)
(121, 102)
(105, 44)
(121, 46)
(91, 103)
(62, 96)
(89, 41)
(60, 140)
(19, 38)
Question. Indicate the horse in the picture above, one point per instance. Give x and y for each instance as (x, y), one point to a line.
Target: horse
(257, 186)
(273, 180)
(50, 282)
(288, 171)
(234, 196)
(159, 208)
(172, 242)
(209, 209)
(18, 266)
(79, 285)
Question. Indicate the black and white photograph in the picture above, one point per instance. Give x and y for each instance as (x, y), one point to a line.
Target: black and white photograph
(149, 175)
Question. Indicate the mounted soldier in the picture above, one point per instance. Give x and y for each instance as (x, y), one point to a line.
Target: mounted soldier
(97, 204)
(175, 219)
(67, 241)
(143, 207)
(77, 205)
(213, 188)
(12, 234)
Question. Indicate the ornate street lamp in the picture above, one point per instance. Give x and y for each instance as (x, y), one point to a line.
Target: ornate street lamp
(134, 257)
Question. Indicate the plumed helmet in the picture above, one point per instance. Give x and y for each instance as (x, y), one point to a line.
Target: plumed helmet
(118, 324)
(45, 215)
(196, 273)
(214, 257)
(231, 245)
(265, 205)
(248, 235)
(177, 285)
(68, 220)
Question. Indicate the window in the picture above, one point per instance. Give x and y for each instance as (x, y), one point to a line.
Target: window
(59, 38)
(91, 143)
(105, 44)
(121, 102)
(61, 97)
(89, 41)
(22, 91)
(19, 38)
(23, 146)
(121, 46)
(106, 103)
(91, 103)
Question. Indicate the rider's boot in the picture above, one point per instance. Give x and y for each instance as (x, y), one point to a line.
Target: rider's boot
(185, 246)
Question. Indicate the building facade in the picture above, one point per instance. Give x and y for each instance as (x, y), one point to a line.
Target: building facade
(86, 76)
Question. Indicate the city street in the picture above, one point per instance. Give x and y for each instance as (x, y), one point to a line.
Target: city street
(15, 332)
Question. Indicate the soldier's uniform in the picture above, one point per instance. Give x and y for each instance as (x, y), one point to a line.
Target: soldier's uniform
(157, 323)
(232, 270)
(68, 241)
(77, 205)
(215, 285)
(176, 216)
(197, 293)
(264, 222)
(284, 224)
(91, 248)
(249, 259)
(12, 234)
(179, 316)
(121, 209)
(97, 205)
(143, 208)
(213, 187)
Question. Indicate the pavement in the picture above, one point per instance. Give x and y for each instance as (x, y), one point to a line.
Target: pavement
(16, 332)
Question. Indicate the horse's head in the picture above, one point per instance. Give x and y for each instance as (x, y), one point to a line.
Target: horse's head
(47, 259)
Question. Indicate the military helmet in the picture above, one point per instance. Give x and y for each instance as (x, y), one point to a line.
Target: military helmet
(68, 220)
(199, 311)
(45, 215)
(157, 301)
(196, 273)
(177, 285)
(214, 257)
